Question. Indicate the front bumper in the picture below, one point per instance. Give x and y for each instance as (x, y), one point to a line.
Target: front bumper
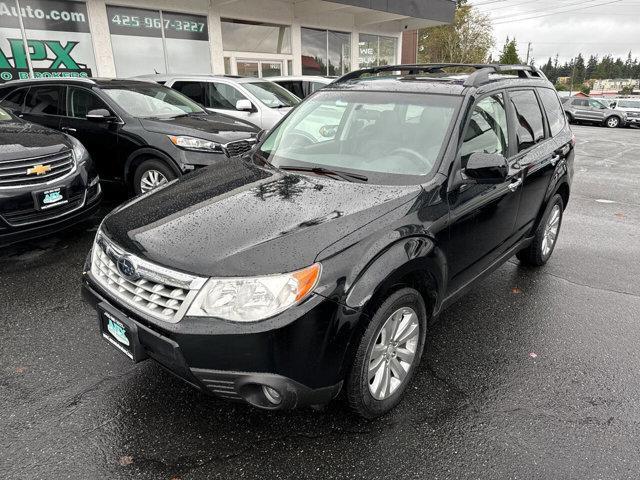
(301, 359)
(20, 221)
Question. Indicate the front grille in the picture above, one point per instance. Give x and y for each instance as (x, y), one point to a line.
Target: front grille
(234, 149)
(24, 171)
(154, 290)
(26, 216)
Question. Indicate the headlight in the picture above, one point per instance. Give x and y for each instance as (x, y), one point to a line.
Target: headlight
(250, 299)
(79, 152)
(197, 144)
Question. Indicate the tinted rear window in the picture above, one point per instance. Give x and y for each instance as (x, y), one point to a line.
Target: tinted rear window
(552, 106)
(529, 122)
(45, 100)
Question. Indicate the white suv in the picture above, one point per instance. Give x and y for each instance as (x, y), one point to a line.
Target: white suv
(254, 100)
(631, 107)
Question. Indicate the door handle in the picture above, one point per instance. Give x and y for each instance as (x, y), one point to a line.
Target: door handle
(513, 186)
(68, 129)
(555, 159)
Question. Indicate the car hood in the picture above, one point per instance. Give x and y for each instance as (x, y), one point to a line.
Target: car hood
(215, 127)
(19, 139)
(238, 219)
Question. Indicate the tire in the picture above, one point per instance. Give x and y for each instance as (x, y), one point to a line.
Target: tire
(151, 174)
(400, 304)
(612, 122)
(539, 252)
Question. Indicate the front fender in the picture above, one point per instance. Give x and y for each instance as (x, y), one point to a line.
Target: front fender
(413, 256)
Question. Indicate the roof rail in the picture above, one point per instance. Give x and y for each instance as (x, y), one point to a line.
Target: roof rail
(480, 76)
(50, 79)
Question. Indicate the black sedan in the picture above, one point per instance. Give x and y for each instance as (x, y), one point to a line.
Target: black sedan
(47, 180)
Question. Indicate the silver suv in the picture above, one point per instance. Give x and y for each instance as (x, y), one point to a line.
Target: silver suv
(592, 111)
(254, 100)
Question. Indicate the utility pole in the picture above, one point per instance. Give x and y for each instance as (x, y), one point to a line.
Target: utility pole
(573, 72)
(528, 52)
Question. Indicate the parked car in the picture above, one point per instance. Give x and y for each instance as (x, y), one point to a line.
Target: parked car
(47, 180)
(592, 111)
(315, 262)
(302, 86)
(139, 134)
(255, 100)
(630, 107)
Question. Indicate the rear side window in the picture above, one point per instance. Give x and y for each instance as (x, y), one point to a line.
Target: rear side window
(294, 87)
(193, 90)
(529, 123)
(581, 103)
(15, 99)
(45, 100)
(552, 106)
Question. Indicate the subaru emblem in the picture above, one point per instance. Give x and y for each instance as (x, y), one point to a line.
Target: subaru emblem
(127, 269)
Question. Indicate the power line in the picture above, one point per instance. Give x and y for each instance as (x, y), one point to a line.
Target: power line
(581, 2)
(556, 13)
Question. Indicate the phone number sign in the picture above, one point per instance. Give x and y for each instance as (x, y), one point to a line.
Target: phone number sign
(148, 23)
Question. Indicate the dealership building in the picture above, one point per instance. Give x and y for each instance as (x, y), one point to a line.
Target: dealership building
(120, 38)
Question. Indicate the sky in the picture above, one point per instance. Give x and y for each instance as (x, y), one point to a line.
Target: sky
(566, 27)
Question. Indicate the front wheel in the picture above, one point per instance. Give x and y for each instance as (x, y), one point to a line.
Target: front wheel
(546, 235)
(151, 174)
(612, 122)
(388, 354)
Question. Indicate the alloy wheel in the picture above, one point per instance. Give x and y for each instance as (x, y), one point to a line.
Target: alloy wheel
(612, 122)
(551, 230)
(152, 179)
(393, 353)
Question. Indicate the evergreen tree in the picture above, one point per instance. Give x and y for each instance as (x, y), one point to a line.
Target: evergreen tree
(510, 53)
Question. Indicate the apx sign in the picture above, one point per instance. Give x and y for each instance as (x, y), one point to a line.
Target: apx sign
(48, 57)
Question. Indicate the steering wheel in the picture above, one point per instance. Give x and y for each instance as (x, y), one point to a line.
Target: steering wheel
(413, 156)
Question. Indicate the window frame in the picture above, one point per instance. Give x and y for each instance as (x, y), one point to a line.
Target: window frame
(326, 34)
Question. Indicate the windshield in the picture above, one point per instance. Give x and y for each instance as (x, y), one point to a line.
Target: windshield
(369, 132)
(5, 116)
(147, 101)
(272, 94)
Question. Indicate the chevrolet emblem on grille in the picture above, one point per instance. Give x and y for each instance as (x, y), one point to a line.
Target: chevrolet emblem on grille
(39, 169)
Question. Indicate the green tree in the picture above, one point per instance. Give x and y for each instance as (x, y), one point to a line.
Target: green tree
(468, 40)
(578, 70)
(509, 54)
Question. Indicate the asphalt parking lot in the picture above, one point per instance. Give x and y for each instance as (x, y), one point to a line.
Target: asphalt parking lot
(536, 374)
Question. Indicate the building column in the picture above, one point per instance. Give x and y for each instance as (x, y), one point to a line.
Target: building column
(215, 40)
(296, 48)
(101, 38)
(355, 50)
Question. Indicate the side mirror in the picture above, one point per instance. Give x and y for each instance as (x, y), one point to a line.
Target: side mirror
(99, 115)
(244, 105)
(261, 134)
(487, 168)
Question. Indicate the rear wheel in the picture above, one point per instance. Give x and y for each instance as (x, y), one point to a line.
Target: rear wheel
(546, 235)
(612, 122)
(151, 174)
(388, 354)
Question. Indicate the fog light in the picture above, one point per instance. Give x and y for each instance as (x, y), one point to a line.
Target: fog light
(272, 395)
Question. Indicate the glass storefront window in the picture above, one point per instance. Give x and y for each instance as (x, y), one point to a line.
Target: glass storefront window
(376, 50)
(139, 47)
(58, 38)
(325, 52)
(244, 36)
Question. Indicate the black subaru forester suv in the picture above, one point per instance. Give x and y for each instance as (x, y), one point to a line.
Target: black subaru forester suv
(316, 263)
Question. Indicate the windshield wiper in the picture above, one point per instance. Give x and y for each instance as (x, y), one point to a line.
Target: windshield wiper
(349, 177)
